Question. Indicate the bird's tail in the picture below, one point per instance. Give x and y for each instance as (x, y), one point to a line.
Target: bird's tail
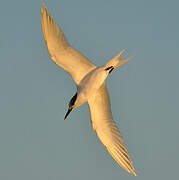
(117, 61)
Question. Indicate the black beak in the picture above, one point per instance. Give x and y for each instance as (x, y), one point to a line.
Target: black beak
(68, 112)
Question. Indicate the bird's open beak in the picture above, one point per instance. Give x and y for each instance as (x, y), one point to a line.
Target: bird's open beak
(68, 112)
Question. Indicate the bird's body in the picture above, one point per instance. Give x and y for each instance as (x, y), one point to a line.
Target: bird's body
(91, 83)
(91, 88)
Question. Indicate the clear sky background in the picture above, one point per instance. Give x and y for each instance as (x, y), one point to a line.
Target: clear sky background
(35, 143)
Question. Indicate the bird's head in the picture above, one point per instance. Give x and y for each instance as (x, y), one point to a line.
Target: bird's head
(71, 105)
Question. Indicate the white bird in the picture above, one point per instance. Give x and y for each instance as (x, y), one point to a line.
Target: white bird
(91, 88)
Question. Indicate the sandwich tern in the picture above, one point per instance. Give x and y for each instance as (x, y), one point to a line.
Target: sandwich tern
(91, 88)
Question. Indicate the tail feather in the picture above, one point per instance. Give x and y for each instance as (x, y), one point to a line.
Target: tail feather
(117, 61)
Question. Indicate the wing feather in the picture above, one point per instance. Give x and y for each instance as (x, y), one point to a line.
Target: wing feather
(60, 50)
(106, 129)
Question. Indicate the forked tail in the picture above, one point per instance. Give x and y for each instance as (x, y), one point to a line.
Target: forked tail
(117, 61)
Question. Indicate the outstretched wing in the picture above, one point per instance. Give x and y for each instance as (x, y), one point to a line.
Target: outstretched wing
(60, 50)
(106, 129)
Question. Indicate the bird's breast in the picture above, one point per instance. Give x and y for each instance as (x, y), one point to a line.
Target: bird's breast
(92, 82)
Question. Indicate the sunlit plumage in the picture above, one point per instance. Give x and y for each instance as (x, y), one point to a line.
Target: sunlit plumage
(91, 88)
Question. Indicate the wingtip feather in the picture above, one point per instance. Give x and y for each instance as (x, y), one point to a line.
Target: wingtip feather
(43, 7)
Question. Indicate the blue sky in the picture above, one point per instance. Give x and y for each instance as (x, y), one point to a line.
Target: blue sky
(35, 141)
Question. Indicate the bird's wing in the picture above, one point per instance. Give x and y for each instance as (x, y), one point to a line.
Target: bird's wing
(60, 50)
(106, 129)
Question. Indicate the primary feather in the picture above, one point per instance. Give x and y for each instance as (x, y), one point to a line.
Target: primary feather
(61, 51)
(106, 129)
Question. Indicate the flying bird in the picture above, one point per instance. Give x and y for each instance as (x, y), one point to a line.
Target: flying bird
(91, 88)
